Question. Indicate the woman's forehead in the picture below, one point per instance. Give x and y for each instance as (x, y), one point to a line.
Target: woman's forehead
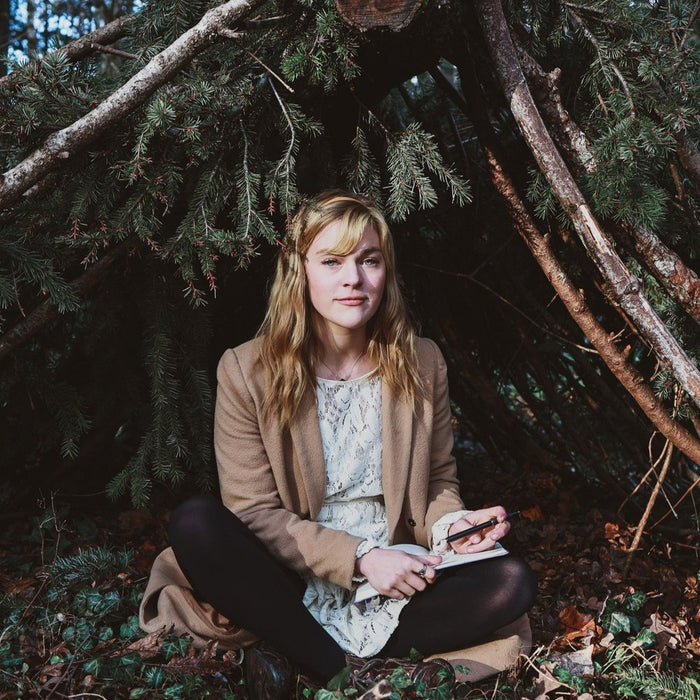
(342, 239)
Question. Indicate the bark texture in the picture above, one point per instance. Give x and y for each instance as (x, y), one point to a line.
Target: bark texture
(624, 288)
(66, 142)
(378, 14)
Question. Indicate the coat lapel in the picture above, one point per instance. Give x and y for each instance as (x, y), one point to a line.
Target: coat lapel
(397, 429)
(308, 447)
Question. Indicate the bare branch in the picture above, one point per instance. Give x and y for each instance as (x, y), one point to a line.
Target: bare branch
(668, 451)
(625, 288)
(691, 22)
(604, 342)
(270, 71)
(65, 143)
(114, 52)
(85, 45)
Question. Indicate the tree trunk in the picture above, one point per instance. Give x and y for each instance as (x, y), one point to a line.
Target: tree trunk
(624, 288)
(66, 142)
(30, 32)
(387, 14)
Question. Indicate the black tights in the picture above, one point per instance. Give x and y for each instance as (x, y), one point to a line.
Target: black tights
(233, 571)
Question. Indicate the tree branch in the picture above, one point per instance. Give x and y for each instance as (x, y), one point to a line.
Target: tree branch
(113, 52)
(665, 264)
(66, 142)
(625, 288)
(574, 301)
(48, 309)
(85, 45)
(572, 298)
(668, 452)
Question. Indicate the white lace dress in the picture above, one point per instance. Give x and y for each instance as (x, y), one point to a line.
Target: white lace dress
(350, 417)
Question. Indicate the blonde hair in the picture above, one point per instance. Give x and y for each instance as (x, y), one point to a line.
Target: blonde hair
(290, 348)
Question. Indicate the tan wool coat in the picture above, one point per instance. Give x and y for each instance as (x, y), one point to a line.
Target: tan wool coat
(274, 480)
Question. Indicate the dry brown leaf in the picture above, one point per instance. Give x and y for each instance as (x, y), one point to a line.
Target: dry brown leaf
(578, 625)
(532, 514)
(573, 619)
(612, 530)
(149, 645)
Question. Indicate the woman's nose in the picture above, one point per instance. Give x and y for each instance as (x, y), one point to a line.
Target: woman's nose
(353, 276)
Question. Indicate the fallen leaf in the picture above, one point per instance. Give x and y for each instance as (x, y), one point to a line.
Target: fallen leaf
(612, 530)
(532, 514)
(545, 683)
(149, 645)
(572, 618)
(578, 663)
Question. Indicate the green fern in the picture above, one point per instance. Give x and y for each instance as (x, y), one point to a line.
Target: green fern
(650, 685)
(88, 566)
(412, 156)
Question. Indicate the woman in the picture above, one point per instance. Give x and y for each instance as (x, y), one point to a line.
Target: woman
(333, 440)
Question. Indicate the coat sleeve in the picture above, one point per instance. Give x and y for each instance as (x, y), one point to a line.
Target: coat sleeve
(443, 487)
(249, 488)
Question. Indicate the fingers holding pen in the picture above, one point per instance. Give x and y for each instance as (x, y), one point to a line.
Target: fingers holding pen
(481, 529)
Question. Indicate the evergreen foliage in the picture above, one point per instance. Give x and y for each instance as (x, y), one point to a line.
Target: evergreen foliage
(196, 187)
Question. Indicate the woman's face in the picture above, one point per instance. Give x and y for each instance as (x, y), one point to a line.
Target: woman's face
(345, 290)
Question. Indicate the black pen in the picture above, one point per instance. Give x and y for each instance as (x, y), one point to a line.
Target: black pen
(480, 526)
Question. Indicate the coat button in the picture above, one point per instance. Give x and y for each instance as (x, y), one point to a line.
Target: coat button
(411, 522)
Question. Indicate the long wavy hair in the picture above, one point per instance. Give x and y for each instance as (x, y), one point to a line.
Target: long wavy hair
(290, 346)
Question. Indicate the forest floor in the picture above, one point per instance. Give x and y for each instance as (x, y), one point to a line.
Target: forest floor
(71, 578)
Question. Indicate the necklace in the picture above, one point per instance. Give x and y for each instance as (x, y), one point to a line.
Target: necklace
(350, 371)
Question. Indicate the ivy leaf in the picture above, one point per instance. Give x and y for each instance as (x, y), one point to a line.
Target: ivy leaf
(635, 601)
(618, 622)
(645, 638)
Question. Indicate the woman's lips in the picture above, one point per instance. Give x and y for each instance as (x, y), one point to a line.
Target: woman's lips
(351, 301)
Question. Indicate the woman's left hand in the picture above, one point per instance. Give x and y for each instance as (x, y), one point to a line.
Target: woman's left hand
(484, 539)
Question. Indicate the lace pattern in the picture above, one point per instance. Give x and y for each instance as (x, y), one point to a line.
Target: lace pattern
(350, 418)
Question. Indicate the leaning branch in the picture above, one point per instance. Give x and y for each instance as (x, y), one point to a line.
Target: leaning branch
(48, 309)
(85, 45)
(65, 143)
(605, 343)
(625, 288)
(665, 264)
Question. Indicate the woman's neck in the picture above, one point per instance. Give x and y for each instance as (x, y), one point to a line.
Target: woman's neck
(343, 357)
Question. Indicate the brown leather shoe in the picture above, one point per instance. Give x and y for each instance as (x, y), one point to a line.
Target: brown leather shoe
(268, 674)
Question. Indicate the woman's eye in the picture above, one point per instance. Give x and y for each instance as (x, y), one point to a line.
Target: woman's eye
(329, 261)
(370, 262)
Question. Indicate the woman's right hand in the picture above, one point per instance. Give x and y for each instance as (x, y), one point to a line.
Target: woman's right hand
(395, 573)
